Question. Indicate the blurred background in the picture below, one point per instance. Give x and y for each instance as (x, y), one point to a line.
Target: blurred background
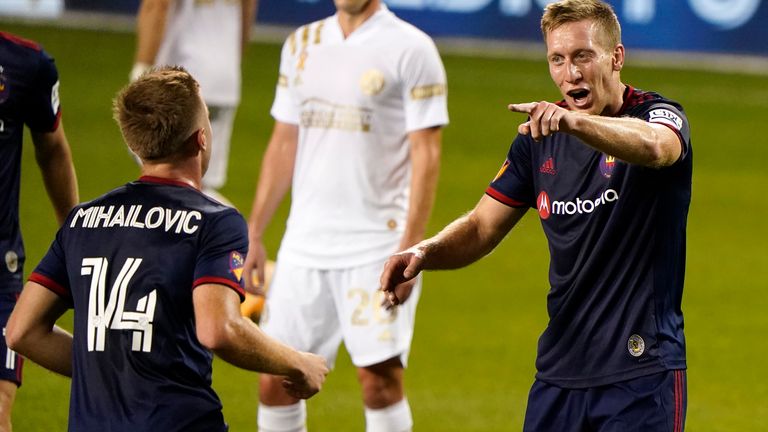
(472, 360)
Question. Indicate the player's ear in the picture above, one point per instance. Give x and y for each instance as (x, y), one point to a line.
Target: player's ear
(201, 140)
(618, 57)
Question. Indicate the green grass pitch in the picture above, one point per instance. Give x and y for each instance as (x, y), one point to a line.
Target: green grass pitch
(472, 359)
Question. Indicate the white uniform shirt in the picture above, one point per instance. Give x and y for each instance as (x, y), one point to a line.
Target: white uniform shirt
(204, 36)
(354, 100)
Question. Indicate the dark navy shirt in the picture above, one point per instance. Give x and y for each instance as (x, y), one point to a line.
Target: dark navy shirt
(128, 262)
(616, 234)
(29, 94)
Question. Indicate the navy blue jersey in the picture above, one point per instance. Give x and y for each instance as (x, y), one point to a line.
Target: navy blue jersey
(127, 262)
(616, 234)
(29, 94)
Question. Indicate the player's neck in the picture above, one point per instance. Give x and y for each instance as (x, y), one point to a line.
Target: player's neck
(350, 22)
(616, 100)
(173, 171)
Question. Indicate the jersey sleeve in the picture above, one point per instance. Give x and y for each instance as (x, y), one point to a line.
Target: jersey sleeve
(284, 107)
(42, 110)
(424, 87)
(513, 184)
(672, 117)
(222, 253)
(51, 272)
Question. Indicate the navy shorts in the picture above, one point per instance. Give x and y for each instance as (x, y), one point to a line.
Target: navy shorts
(652, 403)
(10, 362)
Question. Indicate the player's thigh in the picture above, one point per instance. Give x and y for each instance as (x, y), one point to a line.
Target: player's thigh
(653, 403)
(299, 311)
(555, 409)
(372, 334)
(10, 362)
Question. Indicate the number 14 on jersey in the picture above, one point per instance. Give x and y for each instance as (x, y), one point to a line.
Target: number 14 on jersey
(106, 309)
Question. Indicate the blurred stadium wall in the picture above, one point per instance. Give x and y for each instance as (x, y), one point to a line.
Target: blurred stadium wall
(714, 34)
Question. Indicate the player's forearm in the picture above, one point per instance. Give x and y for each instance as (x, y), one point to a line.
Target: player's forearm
(248, 17)
(247, 347)
(54, 158)
(459, 244)
(470, 237)
(629, 139)
(150, 29)
(425, 169)
(50, 349)
(274, 179)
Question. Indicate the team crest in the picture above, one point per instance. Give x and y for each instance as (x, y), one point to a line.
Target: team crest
(5, 90)
(372, 82)
(11, 261)
(636, 346)
(236, 263)
(607, 165)
(501, 170)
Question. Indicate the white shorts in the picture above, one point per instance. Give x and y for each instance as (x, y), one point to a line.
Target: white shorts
(222, 118)
(314, 310)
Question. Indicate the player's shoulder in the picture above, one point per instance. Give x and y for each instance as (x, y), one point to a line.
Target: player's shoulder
(20, 43)
(305, 35)
(406, 33)
(638, 99)
(24, 55)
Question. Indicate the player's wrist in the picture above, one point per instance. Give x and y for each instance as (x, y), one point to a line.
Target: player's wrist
(139, 69)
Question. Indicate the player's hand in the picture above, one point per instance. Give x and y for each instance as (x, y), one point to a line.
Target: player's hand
(253, 269)
(401, 294)
(544, 118)
(400, 268)
(309, 381)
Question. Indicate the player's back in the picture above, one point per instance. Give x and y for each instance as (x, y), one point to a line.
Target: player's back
(133, 258)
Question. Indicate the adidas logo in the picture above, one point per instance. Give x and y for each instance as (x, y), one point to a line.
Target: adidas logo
(548, 167)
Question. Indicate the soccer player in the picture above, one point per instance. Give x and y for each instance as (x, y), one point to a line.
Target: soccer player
(153, 272)
(608, 170)
(207, 38)
(29, 95)
(359, 106)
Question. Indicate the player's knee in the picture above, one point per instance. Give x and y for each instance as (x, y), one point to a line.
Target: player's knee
(272, 393)
(382, 384)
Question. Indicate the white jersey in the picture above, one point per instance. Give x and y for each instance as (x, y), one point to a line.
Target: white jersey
(204, 36)
(355, 100)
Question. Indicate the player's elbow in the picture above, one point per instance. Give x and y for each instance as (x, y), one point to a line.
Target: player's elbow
(661, 148)
(218, 335)
(18, 336)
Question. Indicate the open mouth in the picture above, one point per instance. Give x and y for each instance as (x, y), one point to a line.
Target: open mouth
(578, 95)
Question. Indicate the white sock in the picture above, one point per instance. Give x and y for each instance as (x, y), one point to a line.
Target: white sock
(290, 418)
(394, 418)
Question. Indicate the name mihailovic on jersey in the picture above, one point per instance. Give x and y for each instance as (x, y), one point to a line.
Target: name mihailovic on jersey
(132, 216)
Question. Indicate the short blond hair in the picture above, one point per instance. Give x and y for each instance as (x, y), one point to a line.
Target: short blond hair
(568, 11)
(158, 112)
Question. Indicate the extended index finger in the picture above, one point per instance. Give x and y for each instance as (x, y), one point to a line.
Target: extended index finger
(522, 107)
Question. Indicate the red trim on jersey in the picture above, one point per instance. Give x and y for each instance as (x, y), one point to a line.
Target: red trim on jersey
(219, 281)
(678, 425)
(18, 40)
(19, 367)
(628, 96)
(57, 122)
(50, 284)
(498, 196)
(166, 181)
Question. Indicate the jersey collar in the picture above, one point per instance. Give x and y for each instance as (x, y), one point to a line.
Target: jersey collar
(165, 181)
(365, 27)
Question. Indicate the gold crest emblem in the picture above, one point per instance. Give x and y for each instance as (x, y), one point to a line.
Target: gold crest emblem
(372, 82)
(636, 345)
(11, 261)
